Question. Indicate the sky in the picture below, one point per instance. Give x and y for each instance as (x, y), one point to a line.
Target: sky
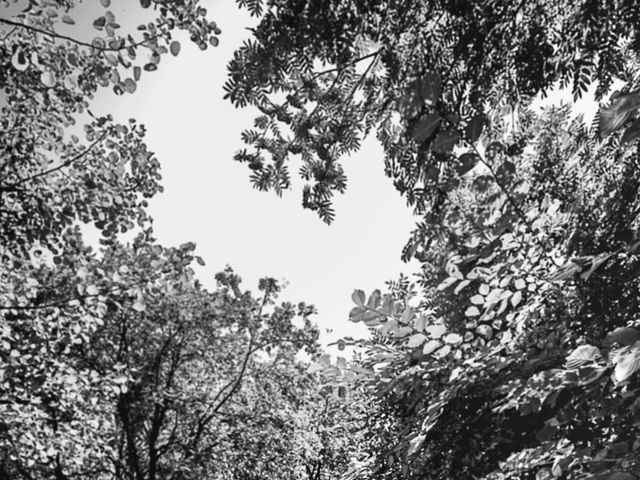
(209, 200)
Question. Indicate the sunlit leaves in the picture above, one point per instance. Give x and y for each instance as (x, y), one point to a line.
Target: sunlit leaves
(431, 346)
(582, 355)
(447, 282)
(48, 79)
(627, 362)
(19, 60)
(621, 109)
(99, 173)
(472, 311)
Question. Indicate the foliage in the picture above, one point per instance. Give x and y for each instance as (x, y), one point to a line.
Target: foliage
(519, 358)
(54, 294)
(423, 74)
(118, 364)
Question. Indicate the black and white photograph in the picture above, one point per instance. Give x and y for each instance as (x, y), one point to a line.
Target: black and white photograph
(319, 240)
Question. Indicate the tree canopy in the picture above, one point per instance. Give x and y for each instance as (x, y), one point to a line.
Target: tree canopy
(115, 362)
(514, 354)
(518, 355)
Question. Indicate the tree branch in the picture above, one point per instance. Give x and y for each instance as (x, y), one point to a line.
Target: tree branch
(53, 34)
(64, 164)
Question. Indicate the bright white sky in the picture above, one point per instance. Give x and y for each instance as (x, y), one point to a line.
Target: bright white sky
(208, 198)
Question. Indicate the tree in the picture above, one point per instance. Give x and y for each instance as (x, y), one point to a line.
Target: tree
(118, 364)
(52, 290)
(323, 74)
(519, 358)
(194, 366)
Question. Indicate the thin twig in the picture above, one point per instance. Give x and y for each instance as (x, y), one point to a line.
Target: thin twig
(55, 169)
(75, 40)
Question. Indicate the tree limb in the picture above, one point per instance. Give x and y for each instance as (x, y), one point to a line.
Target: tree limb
(75, 40)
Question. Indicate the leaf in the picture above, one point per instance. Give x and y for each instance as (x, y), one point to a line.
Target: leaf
(426, 126)
(150, 67)
(174, 48)
(410, 104)
(314, 367)
(445, 141)
(92, 290)
(544, 474)
(407, 315)
(47, 79)
(516, 298)
(356, 314)
(622, 107)
(402, 332)
(621, 476)
(474, 128)
(595, 263)
(105, 3)
(436, 330)
(358, 297)
(430, 347)
(145, 3)
(68, 20)
(566, 271)
(371, 319)
(341, 363)
(461, 285)
(139, 305)
(472, 312)
(430, 87)
(137, 71)
(374, 300)
(453, 339)
(129, 85)
(389, 327)
(477, 300)
(19, 61)
(561, 465)
(626, 365)
(582, 355)
(443, 352)
(466, 162)
(99, 22)
(623, 336)
(421, 321)
(416, 340)
(632, 133)
(447, 283)
(325, 360)
(415, 443)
